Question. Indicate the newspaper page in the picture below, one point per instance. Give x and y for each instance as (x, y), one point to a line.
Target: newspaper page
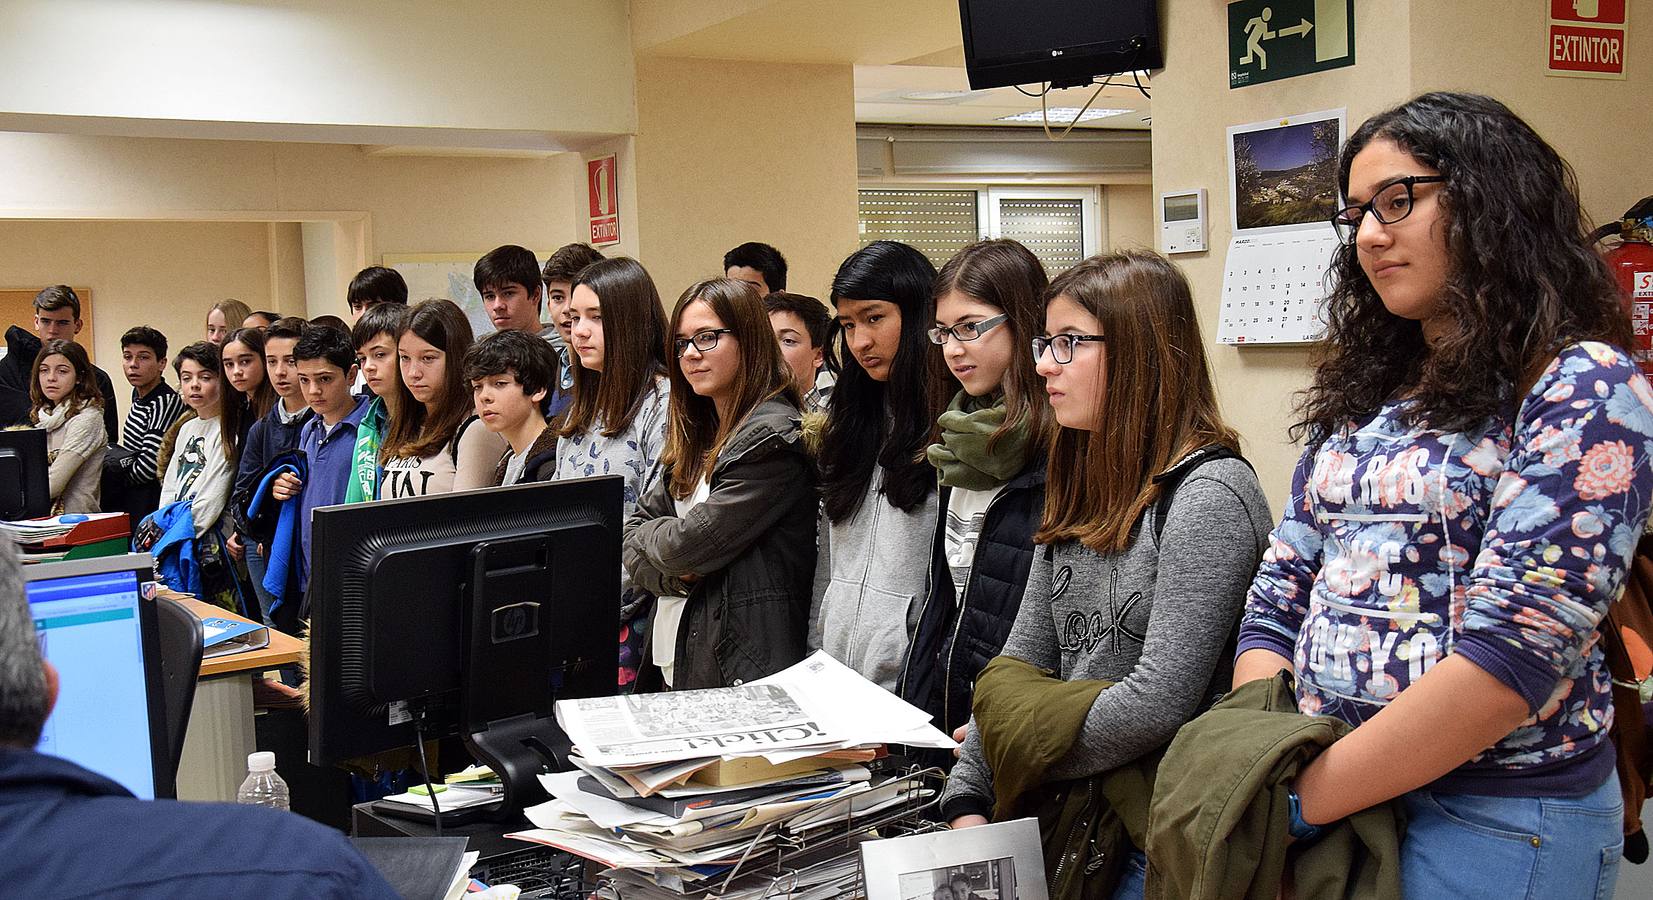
(640, 729)
(815, 705)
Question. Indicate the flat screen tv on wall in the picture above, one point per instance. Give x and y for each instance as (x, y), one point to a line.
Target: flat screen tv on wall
(1064, 42)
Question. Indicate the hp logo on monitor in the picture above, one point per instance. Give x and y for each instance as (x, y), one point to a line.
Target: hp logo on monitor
(515, 622)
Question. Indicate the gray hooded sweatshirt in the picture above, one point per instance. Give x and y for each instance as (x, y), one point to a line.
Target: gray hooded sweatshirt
(1153, 619)
(872, 572)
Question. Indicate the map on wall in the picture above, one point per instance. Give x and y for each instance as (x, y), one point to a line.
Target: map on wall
(447, 275)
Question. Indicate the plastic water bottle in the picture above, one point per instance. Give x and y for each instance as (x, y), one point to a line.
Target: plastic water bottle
(263, 786)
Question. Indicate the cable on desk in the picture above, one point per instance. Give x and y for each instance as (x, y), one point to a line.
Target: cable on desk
(424, 767)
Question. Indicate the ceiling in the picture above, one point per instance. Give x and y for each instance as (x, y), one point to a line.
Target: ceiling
(899, 50)
(940, 95)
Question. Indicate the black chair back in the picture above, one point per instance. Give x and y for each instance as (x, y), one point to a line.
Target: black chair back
(181, 651)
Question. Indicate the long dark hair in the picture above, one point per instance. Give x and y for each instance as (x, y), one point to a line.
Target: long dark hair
(882, 423)
(1523, 280)
(85, 392)
(695, 434)
(418, 430)
(1158, 404)
(634, 348)
(1005, 274)
(241, 410)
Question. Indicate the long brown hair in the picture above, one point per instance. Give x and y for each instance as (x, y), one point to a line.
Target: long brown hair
(240, 410)
(1158, 404)
(85, 393)
(634, 348)
(1005, 274)
(415, 430)
(695, 434)
(235, 312)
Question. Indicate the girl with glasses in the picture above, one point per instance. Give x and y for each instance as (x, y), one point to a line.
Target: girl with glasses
(1475, 482)
(989, 448)
(1152, 528)
(435, 443)
(879, 494)
(616, 424)
(725, 538)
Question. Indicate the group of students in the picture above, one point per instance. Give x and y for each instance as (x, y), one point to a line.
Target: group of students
(1040, 472)
(997, 465)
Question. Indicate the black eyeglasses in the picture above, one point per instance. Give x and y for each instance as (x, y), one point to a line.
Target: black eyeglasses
(702, 340)
(1390, 204)
(966, 331)
(1061, 346)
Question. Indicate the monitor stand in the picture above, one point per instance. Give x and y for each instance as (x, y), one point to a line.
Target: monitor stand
(510, 678)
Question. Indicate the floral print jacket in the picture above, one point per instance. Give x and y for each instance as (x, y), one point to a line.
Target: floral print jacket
(1403, 545)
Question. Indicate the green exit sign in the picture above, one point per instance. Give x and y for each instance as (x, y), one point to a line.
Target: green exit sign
(1273, 39)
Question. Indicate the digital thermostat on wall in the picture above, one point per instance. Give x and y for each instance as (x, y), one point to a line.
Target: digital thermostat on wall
(1182, 221)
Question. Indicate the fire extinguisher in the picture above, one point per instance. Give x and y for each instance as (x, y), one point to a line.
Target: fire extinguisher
(1631, 260)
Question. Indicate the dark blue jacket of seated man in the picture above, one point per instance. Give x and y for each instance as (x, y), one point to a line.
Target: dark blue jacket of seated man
(68, 832)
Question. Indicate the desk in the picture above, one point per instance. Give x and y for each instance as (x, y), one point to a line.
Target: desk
(220, 735)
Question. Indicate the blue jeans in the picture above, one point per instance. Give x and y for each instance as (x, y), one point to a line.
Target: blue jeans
(1134, 881)
(1470, 847)
(256, 566)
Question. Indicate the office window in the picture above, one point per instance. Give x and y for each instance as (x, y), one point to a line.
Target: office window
(1060, 225)
(938, 223)
(1053, 228)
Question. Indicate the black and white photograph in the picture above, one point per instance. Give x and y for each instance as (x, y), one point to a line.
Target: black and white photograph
(993, 879)
(1001, 861)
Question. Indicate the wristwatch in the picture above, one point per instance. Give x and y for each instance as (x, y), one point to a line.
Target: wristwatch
(1300, 830)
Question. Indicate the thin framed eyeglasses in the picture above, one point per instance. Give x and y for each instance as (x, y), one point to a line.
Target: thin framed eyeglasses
(1390, 204)
(1061, 346)
(966, 331)
(702, 340)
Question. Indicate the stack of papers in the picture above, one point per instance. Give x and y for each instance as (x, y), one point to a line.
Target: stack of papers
(35, 531)
(674, 790)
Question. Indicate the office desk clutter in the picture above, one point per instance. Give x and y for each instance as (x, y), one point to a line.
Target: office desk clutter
(687, 792)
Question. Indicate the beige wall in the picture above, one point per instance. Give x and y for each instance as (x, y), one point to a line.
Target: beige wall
(506, 65)
(163, 274)
(730, 152)
(1129, 216)
(401, 204)
(1193, 106)
(1601, 126)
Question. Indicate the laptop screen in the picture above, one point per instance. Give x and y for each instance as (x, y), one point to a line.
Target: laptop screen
(91, 630)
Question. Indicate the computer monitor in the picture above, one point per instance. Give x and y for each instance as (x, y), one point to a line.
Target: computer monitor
(25, 492)
(100, 633)
(470, 612)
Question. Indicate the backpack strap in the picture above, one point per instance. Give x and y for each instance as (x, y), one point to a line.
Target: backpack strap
(453, 445)
(1172, 478)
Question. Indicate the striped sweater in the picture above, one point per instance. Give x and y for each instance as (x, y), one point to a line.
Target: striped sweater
(146, 425)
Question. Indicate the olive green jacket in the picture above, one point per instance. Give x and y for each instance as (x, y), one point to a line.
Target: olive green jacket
(1218, 824)
(1028, 720)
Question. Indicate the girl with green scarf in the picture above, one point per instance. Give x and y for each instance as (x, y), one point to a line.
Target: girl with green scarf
(989, 449)
(375, 340)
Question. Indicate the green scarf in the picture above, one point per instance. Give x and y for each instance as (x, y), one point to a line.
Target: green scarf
(962, 455)
(364, 465)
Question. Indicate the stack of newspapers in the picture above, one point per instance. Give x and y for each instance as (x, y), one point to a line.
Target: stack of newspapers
(680, 793)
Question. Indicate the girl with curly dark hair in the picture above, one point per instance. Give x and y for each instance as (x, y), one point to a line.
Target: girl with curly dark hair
(1475, 482)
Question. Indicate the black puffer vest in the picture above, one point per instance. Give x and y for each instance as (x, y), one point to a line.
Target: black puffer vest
(954, 641)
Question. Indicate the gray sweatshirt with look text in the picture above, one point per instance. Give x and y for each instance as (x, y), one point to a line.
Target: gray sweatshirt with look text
(1152, 619)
